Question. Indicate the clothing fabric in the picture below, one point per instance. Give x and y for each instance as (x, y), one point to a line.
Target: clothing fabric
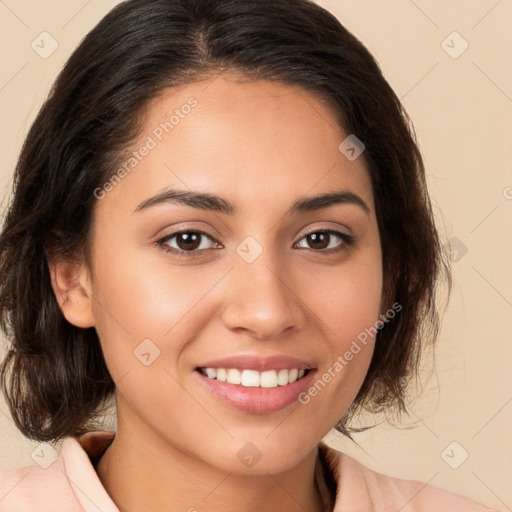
(70, 484)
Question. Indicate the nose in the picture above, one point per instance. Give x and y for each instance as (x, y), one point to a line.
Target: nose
(262, 299)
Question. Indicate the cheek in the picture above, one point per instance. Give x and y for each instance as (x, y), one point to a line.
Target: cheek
(348, 307)
(135, 302)
(146, 316)
(348, 299)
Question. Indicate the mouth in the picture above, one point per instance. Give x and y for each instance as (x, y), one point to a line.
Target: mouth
(253, 378)
(253, 391)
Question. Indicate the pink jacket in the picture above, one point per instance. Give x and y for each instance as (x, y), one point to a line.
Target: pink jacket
(70, 484)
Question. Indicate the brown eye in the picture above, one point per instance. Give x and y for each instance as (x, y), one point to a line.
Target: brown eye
(186, 243)
(325, 240)
(319, 240)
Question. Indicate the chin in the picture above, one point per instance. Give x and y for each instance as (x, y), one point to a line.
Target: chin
(262, 456)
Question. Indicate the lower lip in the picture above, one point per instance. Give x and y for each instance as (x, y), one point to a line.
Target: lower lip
(257, 400)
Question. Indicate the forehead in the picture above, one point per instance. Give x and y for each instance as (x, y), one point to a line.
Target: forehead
(246, 139)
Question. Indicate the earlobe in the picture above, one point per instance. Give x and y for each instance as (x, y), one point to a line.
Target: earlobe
(72, 287)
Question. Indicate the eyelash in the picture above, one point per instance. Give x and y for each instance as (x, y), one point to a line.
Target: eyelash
(196, 253)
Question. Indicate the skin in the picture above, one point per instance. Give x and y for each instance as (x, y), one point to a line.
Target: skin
(262, 146)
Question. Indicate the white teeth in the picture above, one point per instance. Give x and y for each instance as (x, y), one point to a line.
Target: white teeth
(234, 376)
(250, 379)
(282, 377)
(268, 379)
(253, 378)
(211, 373)
(292, 375)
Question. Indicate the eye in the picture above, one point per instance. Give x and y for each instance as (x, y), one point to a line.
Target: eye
(190, 243)
(321, 240)
(187, 243)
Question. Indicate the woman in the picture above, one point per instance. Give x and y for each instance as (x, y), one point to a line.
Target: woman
(220, 219)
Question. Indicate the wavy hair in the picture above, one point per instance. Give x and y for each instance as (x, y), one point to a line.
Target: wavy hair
(54, 375)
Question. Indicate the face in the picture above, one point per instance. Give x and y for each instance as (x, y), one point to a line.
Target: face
(254, 281)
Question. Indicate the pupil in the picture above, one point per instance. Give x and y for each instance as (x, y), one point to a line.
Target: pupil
(322, 237)
(187, 239)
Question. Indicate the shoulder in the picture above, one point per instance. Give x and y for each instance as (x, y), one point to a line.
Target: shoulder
(68, 483)
(37, 488)
(361, 487)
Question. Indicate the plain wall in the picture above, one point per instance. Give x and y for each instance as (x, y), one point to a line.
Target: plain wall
(461, 106)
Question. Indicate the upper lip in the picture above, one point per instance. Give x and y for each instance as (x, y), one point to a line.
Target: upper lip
(258, 363)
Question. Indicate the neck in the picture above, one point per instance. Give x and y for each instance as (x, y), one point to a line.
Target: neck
(143, 472)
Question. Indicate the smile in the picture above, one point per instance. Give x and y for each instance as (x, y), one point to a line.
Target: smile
(253, 378)
(253, 391)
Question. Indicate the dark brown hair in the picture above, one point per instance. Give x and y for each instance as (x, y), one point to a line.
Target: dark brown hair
(54, 376)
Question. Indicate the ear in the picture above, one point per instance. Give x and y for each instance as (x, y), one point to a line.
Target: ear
(71, 284)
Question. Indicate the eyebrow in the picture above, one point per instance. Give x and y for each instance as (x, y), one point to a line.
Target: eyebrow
(211, 202)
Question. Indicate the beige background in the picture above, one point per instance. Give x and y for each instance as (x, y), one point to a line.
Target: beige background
(462, 110)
